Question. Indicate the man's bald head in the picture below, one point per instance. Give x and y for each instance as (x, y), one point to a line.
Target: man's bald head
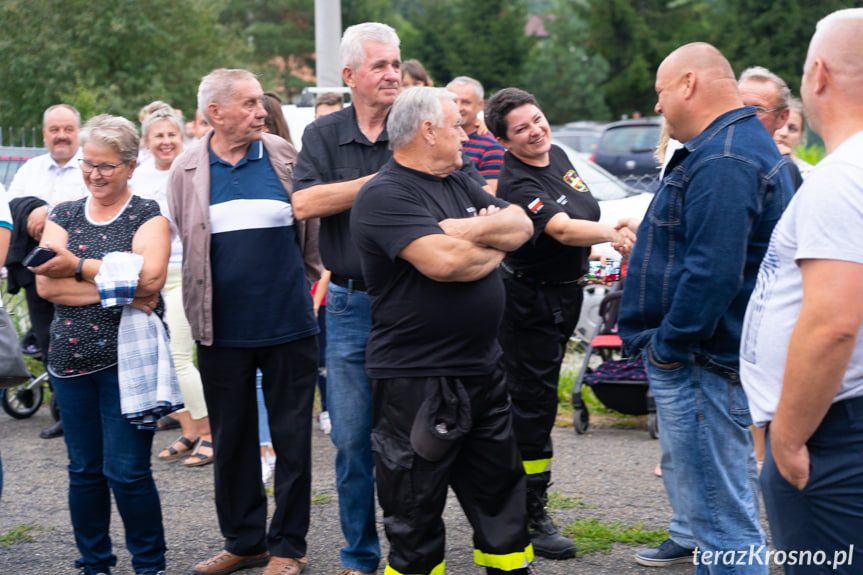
(832, 87)
(838, 40)
(694, 85)
(703, 57)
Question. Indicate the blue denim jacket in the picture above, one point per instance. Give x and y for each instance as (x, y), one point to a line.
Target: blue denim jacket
(699, 247)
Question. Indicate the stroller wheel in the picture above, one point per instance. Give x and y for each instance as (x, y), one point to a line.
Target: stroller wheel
(652, 426)
(22, 401)
(580, 420)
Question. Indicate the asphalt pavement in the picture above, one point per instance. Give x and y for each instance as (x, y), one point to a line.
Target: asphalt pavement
(609, 470)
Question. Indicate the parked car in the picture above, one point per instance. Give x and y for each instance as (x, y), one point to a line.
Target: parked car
(626, 150)
(616, 199)
(580, 136)
(12, 158)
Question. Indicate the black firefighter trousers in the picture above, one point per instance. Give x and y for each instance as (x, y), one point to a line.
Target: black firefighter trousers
(537, 324)
(483, 467)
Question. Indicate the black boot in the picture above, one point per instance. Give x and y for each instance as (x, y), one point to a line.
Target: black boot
(547, 542)
(55, 430)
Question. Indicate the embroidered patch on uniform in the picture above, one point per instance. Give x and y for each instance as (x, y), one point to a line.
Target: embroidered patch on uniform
(535, 206)
(573, 179)
(562, 200)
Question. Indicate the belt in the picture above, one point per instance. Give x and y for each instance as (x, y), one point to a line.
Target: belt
(707, 364)
(348, 283)
(527, 279)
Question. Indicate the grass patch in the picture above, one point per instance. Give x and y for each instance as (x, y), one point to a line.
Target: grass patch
(557, 501)
(19, 534)
(321, 499)
(594, 536)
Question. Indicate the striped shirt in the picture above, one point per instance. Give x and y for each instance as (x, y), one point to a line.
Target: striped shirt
(486, 154)
(260, 293)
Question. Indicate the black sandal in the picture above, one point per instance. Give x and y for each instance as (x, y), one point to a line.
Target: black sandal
(202, 458)
(173, 453)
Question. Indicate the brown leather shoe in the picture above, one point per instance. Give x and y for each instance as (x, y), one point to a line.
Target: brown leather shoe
(285, 566)
(225, 562)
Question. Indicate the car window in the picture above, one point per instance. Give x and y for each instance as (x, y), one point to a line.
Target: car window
(630, 139)
(602, 185)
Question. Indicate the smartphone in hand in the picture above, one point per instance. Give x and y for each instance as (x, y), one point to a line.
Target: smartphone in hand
(38, 256)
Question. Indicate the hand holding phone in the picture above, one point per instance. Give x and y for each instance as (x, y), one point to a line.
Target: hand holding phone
(38, 256)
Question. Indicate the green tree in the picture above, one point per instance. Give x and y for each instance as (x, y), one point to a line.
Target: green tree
(390, 12)
(484, 40)
(109, 56)
(281, 36)
(634, 36)
(563, 75)
(772, 34)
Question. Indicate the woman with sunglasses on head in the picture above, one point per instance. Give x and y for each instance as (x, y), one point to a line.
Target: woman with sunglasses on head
(162, 132)
(107, 454)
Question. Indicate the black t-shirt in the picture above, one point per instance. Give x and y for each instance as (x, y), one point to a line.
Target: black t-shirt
(335, 150)
(544, 192)
(421, 326)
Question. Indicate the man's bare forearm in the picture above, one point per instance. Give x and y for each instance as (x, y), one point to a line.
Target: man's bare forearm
(502, 229)
(326, 199)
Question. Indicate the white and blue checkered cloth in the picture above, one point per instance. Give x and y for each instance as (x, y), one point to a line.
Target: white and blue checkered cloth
(148, 382)
(118, 278)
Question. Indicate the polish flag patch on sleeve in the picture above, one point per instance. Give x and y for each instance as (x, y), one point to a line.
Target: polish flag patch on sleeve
(535, 206)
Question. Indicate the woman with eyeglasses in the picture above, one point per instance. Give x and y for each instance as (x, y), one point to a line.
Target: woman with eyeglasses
(107, 454)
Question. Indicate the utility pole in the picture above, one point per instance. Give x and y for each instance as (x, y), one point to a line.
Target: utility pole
(328, 33)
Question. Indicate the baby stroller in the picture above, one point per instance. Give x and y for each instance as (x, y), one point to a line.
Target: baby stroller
(619, 384)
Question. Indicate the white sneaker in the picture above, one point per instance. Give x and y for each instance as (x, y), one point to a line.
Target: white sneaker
(266, 470)
(268, 465)
(324, 422)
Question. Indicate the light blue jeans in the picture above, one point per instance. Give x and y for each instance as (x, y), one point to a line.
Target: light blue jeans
(704, 427)
(263, 417)
(349, 401)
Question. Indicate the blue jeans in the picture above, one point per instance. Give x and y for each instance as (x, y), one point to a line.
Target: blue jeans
(107, 454)
(679, 530)
(826, 516)
(349, 401)
(704, 427)
(263, 418)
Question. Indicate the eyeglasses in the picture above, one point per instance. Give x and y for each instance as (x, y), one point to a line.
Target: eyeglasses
(106, 170)
(761, 111)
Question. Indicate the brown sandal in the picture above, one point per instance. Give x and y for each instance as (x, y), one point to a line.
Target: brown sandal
(173, 453)
(203, 459)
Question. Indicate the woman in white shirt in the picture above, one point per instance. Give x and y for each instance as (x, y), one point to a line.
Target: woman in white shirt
(162, 130)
